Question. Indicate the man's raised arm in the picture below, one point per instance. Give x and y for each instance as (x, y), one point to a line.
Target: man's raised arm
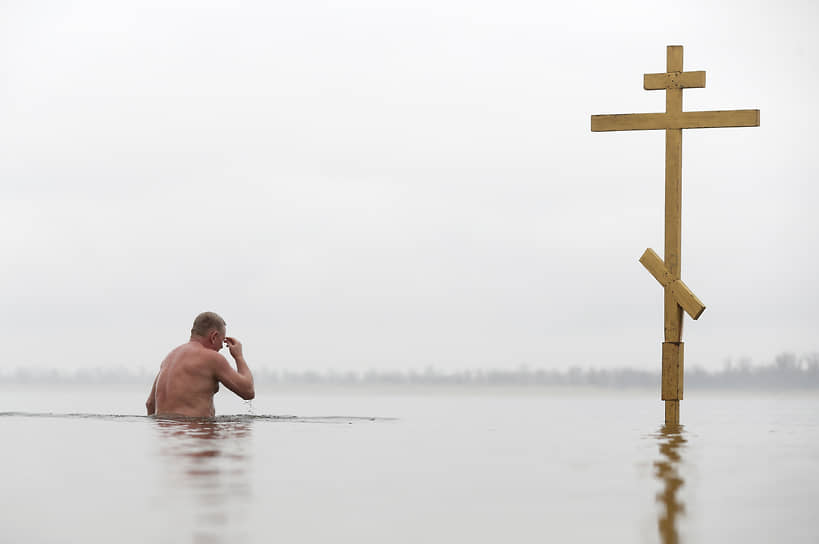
(240, 381)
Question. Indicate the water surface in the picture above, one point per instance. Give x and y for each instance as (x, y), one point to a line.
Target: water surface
(83, 465)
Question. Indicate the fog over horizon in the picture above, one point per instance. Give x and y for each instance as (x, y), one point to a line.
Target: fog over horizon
(787, 372)
(399, 186)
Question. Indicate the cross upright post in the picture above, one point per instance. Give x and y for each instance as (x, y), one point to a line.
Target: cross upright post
(677, 296)
(673, 320)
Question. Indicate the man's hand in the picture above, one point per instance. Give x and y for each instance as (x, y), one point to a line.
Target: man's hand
(240, 381)
(234, 346)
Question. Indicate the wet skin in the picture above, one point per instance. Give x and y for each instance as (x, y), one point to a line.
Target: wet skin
(190, 375)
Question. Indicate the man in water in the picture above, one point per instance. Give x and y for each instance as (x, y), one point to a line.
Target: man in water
(190, 374)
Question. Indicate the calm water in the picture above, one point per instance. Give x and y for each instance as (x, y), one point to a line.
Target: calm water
(532, 466)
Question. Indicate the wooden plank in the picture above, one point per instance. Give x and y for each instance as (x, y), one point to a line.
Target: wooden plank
(673, 229)
(629, 121)
(672, 378)
(672, 318)
(717, 119)
(672, 362)
(673, 63)
(687, 299)
(687, 119)
(672, 412)
(656, 266)
(679, 290)
(674, 80)
(673, 58)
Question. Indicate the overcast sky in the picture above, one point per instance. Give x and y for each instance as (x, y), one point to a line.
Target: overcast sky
(395, 185)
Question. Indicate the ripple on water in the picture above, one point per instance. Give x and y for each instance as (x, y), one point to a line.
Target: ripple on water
(228, 418)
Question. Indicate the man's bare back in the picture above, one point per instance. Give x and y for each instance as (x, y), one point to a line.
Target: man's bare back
(190, 374)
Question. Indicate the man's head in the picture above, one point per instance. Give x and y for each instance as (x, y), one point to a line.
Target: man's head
(209, 330)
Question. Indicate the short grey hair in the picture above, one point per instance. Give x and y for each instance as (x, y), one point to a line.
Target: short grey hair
(206, 322)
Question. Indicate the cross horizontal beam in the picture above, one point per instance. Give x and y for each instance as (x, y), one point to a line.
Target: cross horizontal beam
(686, 119)
(681, 293)
(674, 80)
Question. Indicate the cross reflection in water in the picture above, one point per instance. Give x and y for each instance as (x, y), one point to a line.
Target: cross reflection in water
(672, 442)
(206, 472)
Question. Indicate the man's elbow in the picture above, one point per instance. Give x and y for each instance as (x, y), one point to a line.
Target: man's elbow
(248, 392)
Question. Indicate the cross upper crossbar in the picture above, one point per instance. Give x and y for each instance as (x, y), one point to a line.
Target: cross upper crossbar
(674, 80)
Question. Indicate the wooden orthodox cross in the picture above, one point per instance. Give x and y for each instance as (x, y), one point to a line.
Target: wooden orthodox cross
(678, 297)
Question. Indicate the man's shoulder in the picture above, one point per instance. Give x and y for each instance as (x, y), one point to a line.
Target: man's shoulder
(196, 355)
(209, 356)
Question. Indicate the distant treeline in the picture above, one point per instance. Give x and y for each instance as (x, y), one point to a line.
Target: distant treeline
(786, 372)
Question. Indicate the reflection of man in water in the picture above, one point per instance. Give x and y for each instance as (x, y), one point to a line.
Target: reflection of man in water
(190, 374)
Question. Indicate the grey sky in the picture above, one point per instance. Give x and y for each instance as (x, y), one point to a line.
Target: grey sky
(398, 184)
